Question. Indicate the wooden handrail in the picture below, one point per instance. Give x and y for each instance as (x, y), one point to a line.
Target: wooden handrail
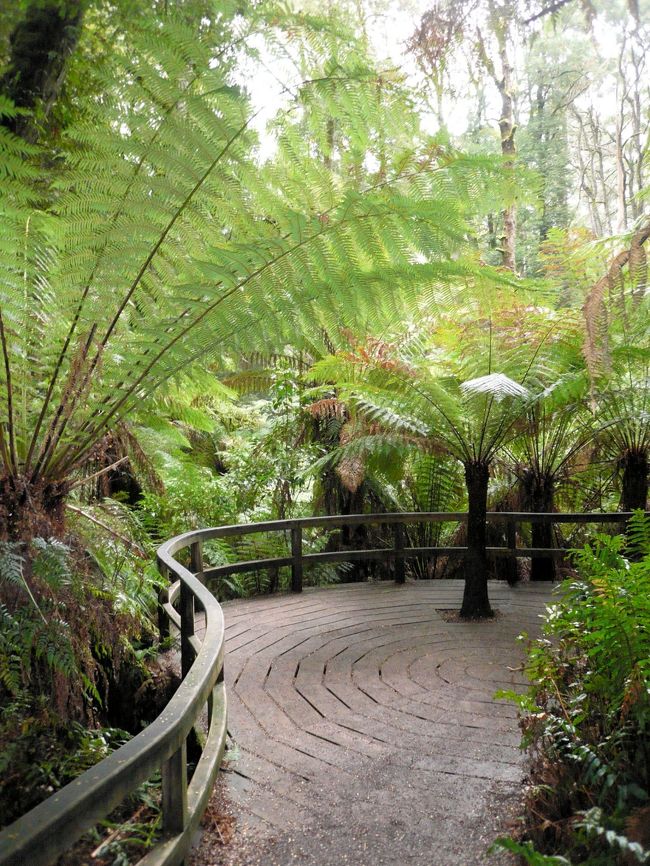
(53, 826)
(398, 553)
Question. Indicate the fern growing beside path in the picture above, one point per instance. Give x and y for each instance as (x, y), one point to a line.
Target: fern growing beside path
(437, 399)
(587, 715)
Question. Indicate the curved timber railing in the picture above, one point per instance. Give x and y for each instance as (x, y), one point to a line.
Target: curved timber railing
(53, 826)
(399, 552)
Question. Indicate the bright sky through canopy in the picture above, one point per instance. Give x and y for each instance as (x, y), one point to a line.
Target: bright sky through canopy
(271, 83)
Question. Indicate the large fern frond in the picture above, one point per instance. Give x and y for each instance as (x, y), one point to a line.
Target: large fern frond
(160, 240)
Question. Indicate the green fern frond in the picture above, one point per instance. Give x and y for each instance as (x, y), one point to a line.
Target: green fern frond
(161, 241)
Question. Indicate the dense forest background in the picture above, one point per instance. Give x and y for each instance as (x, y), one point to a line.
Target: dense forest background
(263, 260)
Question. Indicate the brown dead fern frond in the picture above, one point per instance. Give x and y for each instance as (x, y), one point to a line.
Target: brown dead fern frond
(595, 347)
(638, 265)
(378, 354)
(351, 471)
(329, 408)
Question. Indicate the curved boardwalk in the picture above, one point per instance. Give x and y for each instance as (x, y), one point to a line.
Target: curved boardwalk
(364, 726)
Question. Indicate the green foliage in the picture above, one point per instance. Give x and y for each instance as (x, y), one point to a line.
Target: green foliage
(65, 627)
(29, 630)
(148, 234)
(526, 850)
(592, 823)
(250, 463)
(415, 481)
(459, 389)
(133, 829)
(40, 753)
(229, 464)
(156, 239)
(587, 716)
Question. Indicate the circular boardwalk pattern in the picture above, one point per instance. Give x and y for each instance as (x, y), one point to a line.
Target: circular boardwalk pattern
(364, 728)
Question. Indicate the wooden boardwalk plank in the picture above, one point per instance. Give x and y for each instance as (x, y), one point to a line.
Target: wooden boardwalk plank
(360, 703)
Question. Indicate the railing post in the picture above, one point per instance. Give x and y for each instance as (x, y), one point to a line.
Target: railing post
(174, 792)
(398, 534)
(511, 542)
(296, 553)
(196, 560)
(163, 597)
(187, 628)
(220, 679)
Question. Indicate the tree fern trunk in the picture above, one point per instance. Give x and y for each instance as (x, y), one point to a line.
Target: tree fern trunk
(539, 497)
(635, 467)
(40, 46)
(31, 509)
(476, 603)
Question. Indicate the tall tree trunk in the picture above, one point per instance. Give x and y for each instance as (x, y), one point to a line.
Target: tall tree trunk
(634, 492)
(40, 46)
(621, 176)
(492, 232)
(538, 498)
(476, 603)
(587, 177)
(599, 148)
(499, 23)
(507, 129)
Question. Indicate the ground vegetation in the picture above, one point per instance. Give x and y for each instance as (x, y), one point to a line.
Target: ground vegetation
(585, 718)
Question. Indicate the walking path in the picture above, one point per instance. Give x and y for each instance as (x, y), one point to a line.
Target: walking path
(364, 727)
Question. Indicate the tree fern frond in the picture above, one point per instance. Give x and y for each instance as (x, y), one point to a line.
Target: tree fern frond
(160, 239)
(497, 385)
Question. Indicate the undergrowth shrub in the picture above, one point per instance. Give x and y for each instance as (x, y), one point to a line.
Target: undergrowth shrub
(586, 718)
(67, 633)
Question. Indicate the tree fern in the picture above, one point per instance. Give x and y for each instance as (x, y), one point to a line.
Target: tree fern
(623, 403)
(466, 404)
(159, 240)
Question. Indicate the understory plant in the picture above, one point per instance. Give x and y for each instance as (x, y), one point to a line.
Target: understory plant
(73, 633)
(586, 718)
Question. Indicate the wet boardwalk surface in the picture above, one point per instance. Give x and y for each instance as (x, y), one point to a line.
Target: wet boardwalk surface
(364, 725)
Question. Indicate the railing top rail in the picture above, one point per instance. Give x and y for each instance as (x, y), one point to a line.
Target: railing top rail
(55, 824)
(390, 517)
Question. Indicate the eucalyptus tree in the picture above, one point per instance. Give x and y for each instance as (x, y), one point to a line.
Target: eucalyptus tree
(605, 52)
(464, 403)
(485, 30)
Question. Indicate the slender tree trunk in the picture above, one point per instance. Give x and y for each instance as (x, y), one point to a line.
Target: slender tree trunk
(621, 175)
(492, 232)
(634, 493)
(476, 603)
(504, 80)
(598, 150)
(507, 128)
(539, 493)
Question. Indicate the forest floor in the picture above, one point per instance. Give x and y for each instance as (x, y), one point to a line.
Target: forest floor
(364, 728)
